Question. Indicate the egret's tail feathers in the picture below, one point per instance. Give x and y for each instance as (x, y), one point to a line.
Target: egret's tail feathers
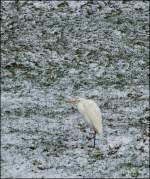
(99, 130)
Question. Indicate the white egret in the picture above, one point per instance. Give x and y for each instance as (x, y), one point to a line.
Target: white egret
(91, 112)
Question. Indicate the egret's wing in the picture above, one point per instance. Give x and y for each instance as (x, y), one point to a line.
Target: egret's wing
(94, 115)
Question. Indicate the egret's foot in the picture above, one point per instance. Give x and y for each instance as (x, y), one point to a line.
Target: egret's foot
(89, 138)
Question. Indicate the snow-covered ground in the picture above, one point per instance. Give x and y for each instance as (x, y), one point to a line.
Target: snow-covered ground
(56, 50)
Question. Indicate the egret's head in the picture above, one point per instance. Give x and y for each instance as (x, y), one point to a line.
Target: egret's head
(73, 101)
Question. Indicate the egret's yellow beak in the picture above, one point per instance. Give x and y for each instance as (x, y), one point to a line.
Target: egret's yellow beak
(72, 101)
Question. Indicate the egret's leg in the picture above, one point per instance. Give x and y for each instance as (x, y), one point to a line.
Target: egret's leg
(94, 138)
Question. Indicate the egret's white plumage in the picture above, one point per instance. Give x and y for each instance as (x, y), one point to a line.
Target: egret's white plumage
(91, 112)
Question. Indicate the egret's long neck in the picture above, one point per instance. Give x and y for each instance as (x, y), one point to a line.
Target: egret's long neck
(80, 107)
